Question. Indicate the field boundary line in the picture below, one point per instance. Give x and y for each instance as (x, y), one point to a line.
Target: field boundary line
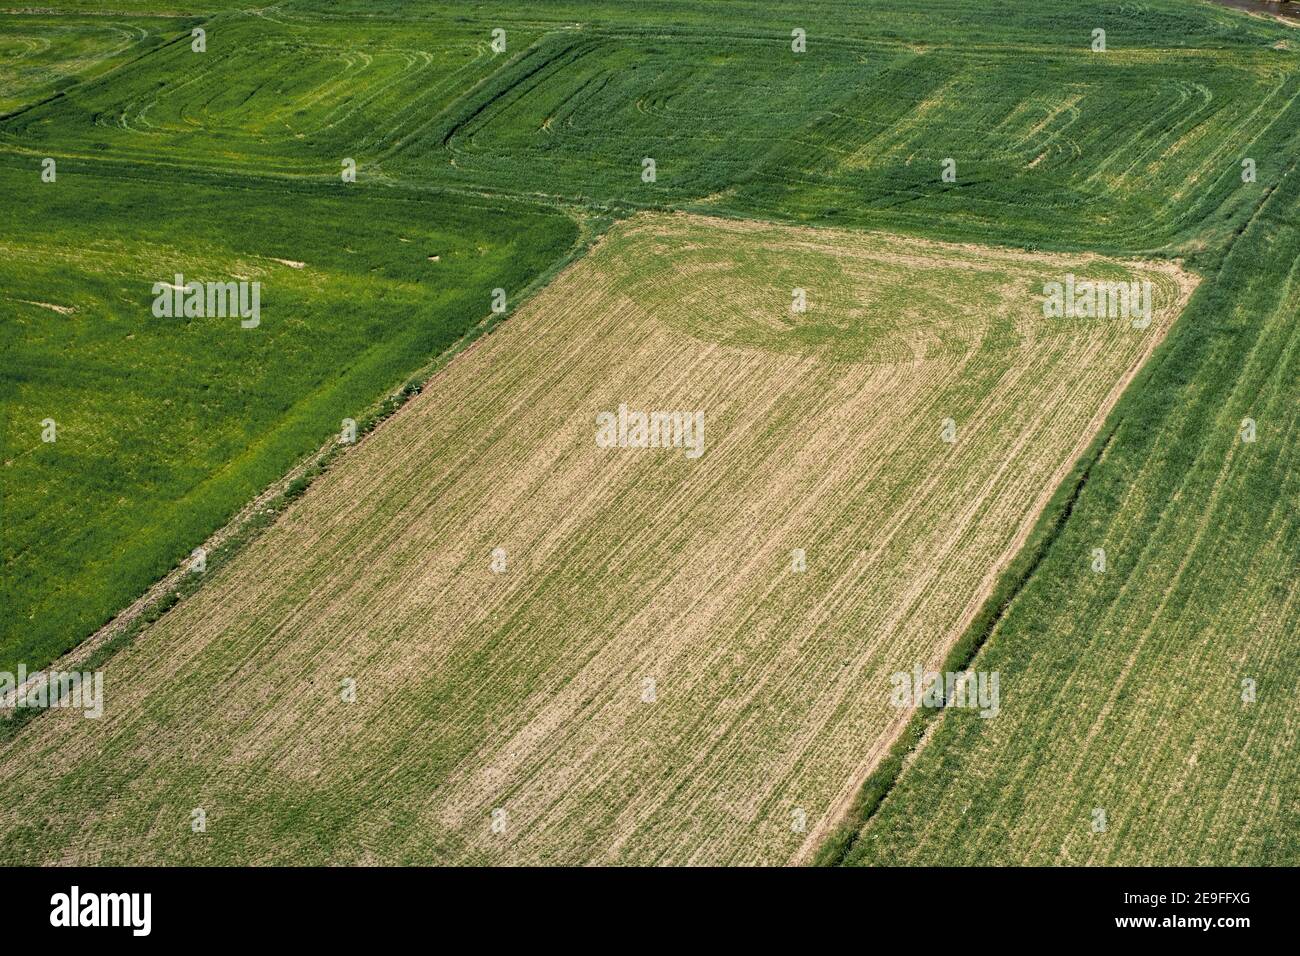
(914, 731)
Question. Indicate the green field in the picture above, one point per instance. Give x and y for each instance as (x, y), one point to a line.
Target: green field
(41, 56)
(480, 169)
(1133, 149)
(166, 426)
(1055, 145)
(266, 95)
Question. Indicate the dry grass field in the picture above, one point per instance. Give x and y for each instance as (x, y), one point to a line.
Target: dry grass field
(570, 653)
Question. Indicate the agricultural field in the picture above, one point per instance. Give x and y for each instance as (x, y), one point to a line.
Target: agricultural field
(1053, 145)
(40, 56)
(645, 620)
(165, 426)
(266, 94)
(817, 244)
(1043, 144)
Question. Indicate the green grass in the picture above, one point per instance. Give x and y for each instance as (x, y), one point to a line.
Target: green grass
(1163, 23)
(167, 426)
(1138, 148)
(266, 95)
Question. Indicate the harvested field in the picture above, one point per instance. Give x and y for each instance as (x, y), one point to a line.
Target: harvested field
(638, 674)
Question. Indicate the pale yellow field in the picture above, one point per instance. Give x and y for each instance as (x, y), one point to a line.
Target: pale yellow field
(526, 690)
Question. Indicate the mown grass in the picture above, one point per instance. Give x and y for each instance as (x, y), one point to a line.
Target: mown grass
(166, 426)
